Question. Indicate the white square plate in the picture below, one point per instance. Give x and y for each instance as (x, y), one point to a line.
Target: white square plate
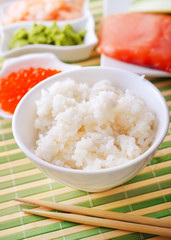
(118, 6)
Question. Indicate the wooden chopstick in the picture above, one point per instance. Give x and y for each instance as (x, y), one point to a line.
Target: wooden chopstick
(98, 213)
(101, 222)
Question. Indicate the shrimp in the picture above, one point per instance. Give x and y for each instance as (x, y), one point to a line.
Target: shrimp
(27, 10)
(15, 12)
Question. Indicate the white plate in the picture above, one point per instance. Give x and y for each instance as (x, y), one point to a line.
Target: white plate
(64, 53)
(117, 6)
(44, 60)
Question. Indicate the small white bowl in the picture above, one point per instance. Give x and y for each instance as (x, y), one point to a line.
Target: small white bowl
(96, 180)
(44, 60)
(64, 53)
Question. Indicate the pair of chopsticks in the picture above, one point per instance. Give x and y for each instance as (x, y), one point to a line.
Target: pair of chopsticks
(101, 218)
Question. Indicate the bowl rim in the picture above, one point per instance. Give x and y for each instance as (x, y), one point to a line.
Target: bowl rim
(51, 166)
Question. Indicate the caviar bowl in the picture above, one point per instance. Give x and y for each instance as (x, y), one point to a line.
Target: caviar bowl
(35, 60)
(100, 179)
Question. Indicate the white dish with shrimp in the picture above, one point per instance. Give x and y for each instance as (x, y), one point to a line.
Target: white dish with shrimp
(42, 10)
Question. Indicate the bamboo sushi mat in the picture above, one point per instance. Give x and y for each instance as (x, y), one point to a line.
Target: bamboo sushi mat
(148, 193)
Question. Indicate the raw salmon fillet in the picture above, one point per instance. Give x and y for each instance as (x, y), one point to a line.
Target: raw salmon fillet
(139, 38)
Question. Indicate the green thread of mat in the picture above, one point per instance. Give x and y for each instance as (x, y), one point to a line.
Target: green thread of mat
(143, 190)
(69, 195)
(80, 235)
(21, 181)
(6, 136)
(165, 88)
(22, 168)
(163, 171)
(17, 169)
(165, 184)
(165, 145)
(25, 193)
(84, 234)
(5, 172)
(169, 131)
(25, 167)
(168, 198)
(16, 236)
(167, 98)
(149, 175)
(43, 230)
(4, 159)
(131, 236)
(8, 211)
(11, 147)
(160, 159)
(17, 156)
(124, 209)
(140, 177)
(6, 125)
(160, 214)
(2, 149)
(147, 203)
(108, 199)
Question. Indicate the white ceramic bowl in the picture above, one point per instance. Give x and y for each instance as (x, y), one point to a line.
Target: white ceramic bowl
(64, 53)
(44, 60)
(97, 180)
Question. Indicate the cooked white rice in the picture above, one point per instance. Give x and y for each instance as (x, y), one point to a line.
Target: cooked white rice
(97, 127)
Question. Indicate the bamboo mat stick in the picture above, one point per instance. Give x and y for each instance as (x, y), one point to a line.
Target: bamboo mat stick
(100, 222)
(98, 213)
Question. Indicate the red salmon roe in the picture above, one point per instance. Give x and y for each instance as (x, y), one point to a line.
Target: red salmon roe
(17, 84)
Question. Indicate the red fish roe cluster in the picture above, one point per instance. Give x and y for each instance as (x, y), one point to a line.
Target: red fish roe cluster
(17, 84)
